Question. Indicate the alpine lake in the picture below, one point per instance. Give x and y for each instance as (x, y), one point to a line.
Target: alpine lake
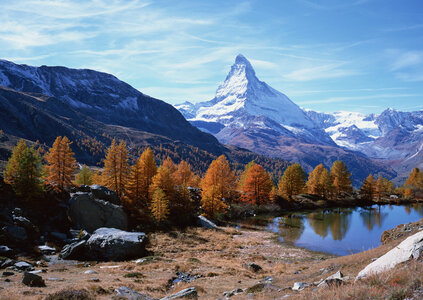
(338, 231)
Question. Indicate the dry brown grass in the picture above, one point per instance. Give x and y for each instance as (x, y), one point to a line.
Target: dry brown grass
(216, 256)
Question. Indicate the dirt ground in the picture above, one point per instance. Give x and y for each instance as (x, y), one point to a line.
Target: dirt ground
(214, 261)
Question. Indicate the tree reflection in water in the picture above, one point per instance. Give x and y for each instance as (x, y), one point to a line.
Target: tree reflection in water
(337, 221)
(372, 216)
(291, 227)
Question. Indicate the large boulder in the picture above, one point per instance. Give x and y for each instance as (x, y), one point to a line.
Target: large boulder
(89, 213)
(412, 247)
(103, 193)
(206, 223)
(75, 251)
(15, 233)
(116, 245)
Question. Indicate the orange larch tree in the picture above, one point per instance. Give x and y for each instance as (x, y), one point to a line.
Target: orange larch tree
(116, 167)
(61, 164)
(141, 176)
(218, 186)
(183, 174)
(257, 186)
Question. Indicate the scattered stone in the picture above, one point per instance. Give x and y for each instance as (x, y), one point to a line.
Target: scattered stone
(55, 279)
(117, 245)
(184, 277)
(127, 293)
(47, 250)
(206, 223)
(189, 293)
(33, 280)
(412, 247)
(299, 286)
(253, 267)
(37, 271)
(22, 266)
(109, 267)
(74, 251)
(89, 213)
(234, 292)
(94, 279)
(7, 280)
(7, 263)
(7, 273)
(90, 272)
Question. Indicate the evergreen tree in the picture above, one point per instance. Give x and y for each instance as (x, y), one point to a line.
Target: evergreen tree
(159, 205)
(341, 178)
(116, 167)
(292, 181)
(367, 190)
(61, 164)
(257, 186)
(11, 172)
(84, 177)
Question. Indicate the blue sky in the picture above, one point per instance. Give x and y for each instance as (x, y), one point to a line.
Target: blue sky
(329, 55)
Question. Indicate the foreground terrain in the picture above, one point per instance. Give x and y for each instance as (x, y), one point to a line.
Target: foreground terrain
(218, 261)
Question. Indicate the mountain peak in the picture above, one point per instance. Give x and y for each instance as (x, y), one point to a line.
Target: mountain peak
(241, 60)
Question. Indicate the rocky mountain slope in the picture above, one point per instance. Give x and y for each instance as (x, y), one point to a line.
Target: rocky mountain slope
(248, 113)
(92, 108)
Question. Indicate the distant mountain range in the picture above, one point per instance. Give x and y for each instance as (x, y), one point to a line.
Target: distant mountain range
(91, 108)
(248, 113)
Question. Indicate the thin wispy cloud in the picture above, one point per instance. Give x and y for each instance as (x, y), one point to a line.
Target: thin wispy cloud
(320, 72)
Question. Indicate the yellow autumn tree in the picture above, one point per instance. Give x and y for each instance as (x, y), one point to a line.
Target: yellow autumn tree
(140, 179)
(116, 167)
(163, 180)
(244, 174)
(319, 182)
(84, 177)
(383, 188)
(367, 191)
(183, 174)
(292, 181)
(415, 180)
(257, 186)
(159, 205)
(61, 164)
(217, 186)
(341, 178)
(170, 165)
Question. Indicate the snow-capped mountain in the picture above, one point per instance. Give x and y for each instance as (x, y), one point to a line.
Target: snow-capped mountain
(247, 112)
(243, 101)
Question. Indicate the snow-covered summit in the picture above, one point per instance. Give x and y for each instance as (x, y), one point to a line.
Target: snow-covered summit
(243, 94)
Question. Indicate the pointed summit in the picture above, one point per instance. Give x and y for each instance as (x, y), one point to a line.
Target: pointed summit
(242, 60)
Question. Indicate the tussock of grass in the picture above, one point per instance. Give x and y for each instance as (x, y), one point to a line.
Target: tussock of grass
(70, 294)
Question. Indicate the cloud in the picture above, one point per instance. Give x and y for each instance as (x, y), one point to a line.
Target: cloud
(320, 72)
(358, 98)
(406, 65)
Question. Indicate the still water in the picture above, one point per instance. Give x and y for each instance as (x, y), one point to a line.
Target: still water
(342, 231)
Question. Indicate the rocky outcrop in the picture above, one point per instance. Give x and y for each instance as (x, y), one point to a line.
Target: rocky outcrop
(116, 245)
(89, 213)
(33, 280)
(412, 247)
(205, 223)
(188, 293)
(75, 250)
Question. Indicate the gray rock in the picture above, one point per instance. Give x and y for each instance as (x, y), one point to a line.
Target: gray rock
(234, 292)
(15, 233)
(25, 223)
(411, 247)
(46, 249)
(89, 213)
(189, 293)
(33, 280)
(253, 267)
(7, 263)
(55, 279)
(127, 293)
(333, 280)
(206, 223)
(74, 251)
(7, 273)
(103, 193)
(90, 272)
(116, 245)
(299, 286)
(23, 266)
